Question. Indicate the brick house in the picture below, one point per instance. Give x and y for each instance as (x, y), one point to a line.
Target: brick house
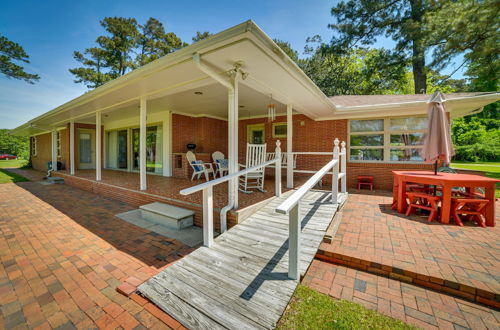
(216, 93)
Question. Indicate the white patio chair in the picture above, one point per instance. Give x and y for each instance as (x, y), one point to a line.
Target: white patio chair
(199, 167)
(256, 154)
(221, 164)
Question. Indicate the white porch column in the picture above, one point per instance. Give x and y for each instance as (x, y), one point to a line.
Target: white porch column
(233, 139)
(167, 145)
(142, 144)
(289, 146)
(72, 147)
(54, 149)
(98, 151)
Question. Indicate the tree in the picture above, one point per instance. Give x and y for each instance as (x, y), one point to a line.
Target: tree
(9, 52)
(14, 145)
(200, 36)
(154, 43)
(469, 28)
(92, 74)
(287, 48)
(357, 71)
(126, 46)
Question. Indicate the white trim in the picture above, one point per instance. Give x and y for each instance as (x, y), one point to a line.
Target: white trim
(142, 143)
(289, 146)
(167, 144)
(98, 145)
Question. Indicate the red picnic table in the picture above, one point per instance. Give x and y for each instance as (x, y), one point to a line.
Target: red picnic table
(447, 181)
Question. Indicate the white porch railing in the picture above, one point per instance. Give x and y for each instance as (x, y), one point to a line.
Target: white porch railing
(207, 188)
(291, 205)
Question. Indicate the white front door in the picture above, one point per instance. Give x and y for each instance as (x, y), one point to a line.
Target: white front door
(86, 148)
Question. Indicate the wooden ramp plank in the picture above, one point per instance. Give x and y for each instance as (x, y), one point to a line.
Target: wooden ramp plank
(242, 280)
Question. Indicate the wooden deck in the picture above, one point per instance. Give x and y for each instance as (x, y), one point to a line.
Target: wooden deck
(241, 281)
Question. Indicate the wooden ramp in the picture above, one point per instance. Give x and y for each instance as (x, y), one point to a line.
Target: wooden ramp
(241, 281)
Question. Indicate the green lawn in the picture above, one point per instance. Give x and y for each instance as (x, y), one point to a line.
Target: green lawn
(6, 176)
(491, 169)
(309, 309)
(12, 163)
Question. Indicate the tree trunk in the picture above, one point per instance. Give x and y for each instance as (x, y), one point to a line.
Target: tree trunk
(418, 63)
(418, 48)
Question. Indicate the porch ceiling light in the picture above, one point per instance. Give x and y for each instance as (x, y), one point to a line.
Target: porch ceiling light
(198, 93)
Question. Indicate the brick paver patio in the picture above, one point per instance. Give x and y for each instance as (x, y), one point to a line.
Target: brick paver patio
(421, 307)
(63, 253)
(464, 261)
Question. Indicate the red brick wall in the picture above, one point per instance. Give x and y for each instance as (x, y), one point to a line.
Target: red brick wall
(208, 134)
(310, 135)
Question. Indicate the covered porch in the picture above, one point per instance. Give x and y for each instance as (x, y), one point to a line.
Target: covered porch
(141, 123)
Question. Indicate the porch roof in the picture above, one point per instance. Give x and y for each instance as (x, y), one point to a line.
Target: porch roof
(366, 106)
(169, 83)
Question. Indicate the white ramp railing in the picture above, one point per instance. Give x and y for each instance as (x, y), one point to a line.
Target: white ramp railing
(207, 188)
(291, 205)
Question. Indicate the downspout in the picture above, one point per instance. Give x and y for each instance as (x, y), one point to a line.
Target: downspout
(211, 73)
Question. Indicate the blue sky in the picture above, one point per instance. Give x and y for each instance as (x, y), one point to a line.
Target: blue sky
(51, 30)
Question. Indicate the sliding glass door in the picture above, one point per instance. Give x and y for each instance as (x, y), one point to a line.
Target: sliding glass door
(117, 150)
(154, 157)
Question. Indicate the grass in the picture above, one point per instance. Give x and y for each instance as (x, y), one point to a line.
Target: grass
(12, 163)
(6, 176)
(490, 169)
(309, 309)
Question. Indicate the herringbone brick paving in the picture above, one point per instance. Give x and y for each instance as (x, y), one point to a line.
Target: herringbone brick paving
(63, 253)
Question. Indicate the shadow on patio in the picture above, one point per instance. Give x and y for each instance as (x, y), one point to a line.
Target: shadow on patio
(97, 215)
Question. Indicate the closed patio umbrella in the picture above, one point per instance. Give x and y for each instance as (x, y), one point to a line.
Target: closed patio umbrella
(437, 143)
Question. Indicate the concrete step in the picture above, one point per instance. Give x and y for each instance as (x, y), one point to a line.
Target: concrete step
(55, 179)
(167, 215)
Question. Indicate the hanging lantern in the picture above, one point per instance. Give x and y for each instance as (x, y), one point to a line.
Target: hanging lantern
(271, 110)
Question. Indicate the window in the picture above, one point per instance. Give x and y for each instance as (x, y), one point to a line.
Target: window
(390, 139)
(279, 130)
(256, 134)
(58, 144)
(33, 145)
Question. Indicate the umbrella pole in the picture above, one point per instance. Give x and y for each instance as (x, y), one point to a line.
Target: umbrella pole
(435, 167)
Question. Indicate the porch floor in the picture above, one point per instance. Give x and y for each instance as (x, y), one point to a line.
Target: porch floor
(169, 187)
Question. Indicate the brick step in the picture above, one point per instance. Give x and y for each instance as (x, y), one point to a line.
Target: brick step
(453, 288)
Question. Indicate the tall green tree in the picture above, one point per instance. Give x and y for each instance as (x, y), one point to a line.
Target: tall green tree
(154, 43)
(470, 28)
(10, 52)
(360, 22)
(200, 36)
(287, 48)
(126, 46)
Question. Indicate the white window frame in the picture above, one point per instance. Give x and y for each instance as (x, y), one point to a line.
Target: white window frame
(58, 144)
(387, 141)
(33, 146)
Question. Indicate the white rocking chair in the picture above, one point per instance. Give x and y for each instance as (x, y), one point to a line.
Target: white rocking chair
(256, 154)
(220, 163)
(199, 167)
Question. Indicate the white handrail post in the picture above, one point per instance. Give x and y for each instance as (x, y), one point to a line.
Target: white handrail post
(335, 176)
(208, 217)
(277, 169)
(294, 242)
(343, 168)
